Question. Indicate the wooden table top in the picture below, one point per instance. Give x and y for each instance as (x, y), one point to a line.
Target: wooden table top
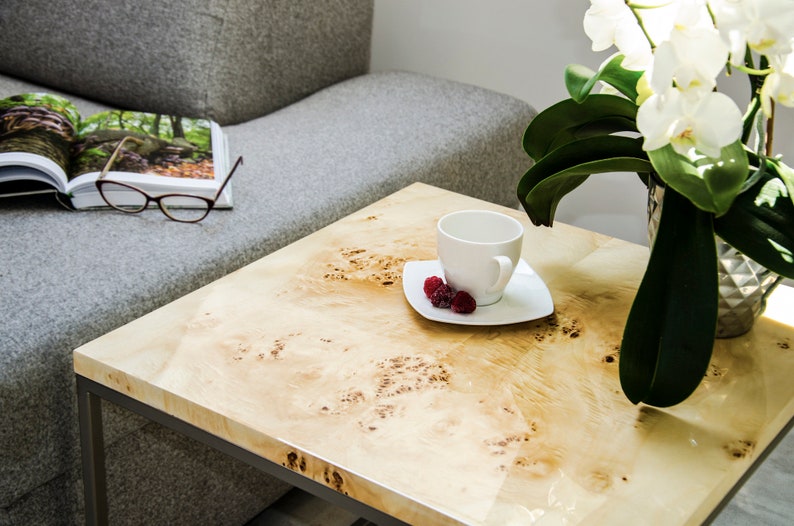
(312, 357)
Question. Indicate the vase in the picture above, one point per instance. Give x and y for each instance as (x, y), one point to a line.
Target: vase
(744, 285)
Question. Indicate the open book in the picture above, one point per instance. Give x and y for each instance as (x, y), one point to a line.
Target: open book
(45, 146)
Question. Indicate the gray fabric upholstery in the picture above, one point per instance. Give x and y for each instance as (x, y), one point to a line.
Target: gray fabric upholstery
(204, 486)
(230, 60)
(69, 277)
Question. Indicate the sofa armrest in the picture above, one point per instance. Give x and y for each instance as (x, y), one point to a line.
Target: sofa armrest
(227, 60)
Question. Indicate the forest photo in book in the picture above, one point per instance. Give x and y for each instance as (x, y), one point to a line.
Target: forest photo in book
(45, 145)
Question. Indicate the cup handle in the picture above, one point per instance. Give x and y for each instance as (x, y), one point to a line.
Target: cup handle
(505, 273)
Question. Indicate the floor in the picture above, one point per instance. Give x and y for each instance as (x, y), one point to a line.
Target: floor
(298, 508)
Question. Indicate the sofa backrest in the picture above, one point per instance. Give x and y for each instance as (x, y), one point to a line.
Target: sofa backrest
(229, 60)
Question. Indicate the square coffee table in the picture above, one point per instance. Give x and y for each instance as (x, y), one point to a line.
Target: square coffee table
(311, 365)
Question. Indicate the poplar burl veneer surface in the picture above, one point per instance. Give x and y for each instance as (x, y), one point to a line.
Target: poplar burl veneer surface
(312, 357)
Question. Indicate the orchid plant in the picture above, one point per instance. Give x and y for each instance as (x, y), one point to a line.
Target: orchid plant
(661, 114)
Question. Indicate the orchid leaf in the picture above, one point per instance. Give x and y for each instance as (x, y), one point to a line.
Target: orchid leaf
(759, 224)
(786, 174)
(580, 80)
(568, 121)
(560, 172)
(669, 335)
(711, 184)
(601, 127)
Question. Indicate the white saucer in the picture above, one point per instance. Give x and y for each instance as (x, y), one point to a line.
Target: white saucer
(526, 297)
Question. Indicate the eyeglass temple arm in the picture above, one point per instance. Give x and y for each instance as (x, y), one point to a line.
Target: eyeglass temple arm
(237, 163)
(115, 154)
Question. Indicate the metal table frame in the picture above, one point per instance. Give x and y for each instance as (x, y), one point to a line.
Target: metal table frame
(90, 395)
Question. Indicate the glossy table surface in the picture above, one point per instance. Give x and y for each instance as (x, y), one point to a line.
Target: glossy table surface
(312, 357)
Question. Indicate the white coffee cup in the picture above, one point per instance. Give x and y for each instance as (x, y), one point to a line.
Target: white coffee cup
(479, 251)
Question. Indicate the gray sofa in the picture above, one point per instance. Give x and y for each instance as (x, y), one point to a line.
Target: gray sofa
(321, 137)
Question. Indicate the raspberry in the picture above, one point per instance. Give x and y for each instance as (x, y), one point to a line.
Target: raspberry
(432, 284)
(463, 303)
(442, 296)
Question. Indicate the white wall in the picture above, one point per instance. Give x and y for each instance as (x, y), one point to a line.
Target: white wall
(519, 47)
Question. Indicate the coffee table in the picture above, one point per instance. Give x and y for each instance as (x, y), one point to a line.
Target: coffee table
(311, 365)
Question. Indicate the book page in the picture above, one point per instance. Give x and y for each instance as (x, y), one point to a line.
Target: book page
(22, 172)
(37, 131)
(168, 154)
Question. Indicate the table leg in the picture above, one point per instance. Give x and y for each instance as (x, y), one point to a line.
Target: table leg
(90, 395)
(92, 447)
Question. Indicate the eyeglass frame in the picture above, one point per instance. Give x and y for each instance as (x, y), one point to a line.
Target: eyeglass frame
(100, 181)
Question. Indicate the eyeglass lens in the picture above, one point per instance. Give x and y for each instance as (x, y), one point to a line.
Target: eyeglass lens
(120, 197)
(184, 207)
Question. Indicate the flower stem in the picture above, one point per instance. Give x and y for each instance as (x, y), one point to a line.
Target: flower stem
(756, 78)
(642, 6)
(770, 129)
(755, 72)
(635, 8)
(749, 119)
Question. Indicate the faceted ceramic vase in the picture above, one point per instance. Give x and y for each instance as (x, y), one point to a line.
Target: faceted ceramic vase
(743, 284)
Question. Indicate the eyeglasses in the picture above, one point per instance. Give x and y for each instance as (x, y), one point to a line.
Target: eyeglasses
(184, 208)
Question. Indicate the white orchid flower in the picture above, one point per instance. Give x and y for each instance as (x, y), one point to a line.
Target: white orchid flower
(692, 57)
(779, 85)
(611, 22)
(662, 16)
(706, 122)
(766, 26)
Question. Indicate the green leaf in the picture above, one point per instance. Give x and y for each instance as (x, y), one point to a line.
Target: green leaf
(580, 80)
(568, 121)
(785, 173)
(669, 334)
(760, 223)
(558, 173)
(711, 184)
